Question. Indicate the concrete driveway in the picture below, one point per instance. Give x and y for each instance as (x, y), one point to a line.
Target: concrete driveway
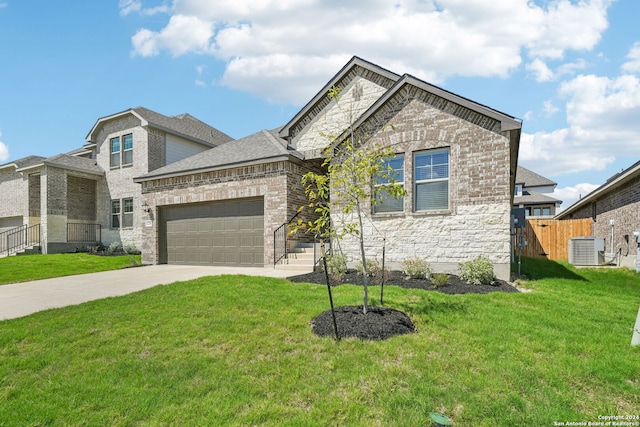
(22, 299)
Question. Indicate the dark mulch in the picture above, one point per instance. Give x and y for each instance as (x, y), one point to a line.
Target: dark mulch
(396, 278)
(380, 322)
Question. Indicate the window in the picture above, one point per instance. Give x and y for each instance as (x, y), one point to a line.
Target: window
(518, 190)
(122, 213)
(115, 214)
(431, 178)
(127, 213)
(115, 152)
(121, 154)
(127, 154)
(384, 201)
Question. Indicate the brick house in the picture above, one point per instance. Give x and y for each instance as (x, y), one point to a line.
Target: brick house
(88, 195)
(614, 209)
(458, 159)
(532, 194)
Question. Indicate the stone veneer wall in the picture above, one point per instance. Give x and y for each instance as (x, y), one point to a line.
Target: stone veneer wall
(622, 205)
(272, 181)
(118, 184)
(477, 222)
(355, 98)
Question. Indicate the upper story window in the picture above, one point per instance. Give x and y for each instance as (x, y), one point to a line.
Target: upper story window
(121, 149)
(518, 190)
(384, 201)
(431, 180)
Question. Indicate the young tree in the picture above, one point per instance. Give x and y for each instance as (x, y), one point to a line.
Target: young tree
(355, 173)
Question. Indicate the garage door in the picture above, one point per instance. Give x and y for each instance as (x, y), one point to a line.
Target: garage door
(217, 233)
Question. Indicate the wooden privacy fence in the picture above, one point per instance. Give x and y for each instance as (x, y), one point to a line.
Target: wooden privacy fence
(549, 238)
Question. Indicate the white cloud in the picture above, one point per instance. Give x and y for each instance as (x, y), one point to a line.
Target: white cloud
(3, 4)
(570, 195)
(549, 108)
(129, 6)
(264, 41)
(541, 72)
(602, 113)
(183, 34)
(4, 150)
(633, 65)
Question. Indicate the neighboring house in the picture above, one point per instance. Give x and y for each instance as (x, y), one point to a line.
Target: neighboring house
(88, 194)
(531, 194)
(458, 159)
(614, 209)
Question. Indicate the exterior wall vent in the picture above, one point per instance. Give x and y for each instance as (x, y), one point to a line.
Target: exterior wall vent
(586, 251)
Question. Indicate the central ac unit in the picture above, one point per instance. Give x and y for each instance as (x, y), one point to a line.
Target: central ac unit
(586, 251)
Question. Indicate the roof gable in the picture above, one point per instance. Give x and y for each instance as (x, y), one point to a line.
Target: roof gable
(409, 88)
(184, 125)
(355, 67)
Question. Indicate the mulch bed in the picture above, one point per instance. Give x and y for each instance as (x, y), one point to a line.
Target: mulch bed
(381, 323)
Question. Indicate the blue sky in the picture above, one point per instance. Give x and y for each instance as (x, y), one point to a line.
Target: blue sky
(569, 69)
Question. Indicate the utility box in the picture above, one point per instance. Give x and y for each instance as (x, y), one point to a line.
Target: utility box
(587, 250)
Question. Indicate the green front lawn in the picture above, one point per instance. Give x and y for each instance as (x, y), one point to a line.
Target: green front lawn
(34, 267)
(237, 350)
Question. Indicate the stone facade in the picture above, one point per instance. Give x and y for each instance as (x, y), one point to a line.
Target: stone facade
(477, 221)
(354, 99)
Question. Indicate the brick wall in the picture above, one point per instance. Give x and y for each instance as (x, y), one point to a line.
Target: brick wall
(14, 189)
(81, 199)
(477, 221)
(269, 181)
(622, 206)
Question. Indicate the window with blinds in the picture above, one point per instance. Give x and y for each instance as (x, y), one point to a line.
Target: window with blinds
(384, 201)
(431, 180)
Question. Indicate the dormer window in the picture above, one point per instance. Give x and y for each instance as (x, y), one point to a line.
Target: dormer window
(121, 149)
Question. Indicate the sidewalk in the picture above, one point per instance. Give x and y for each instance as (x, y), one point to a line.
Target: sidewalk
(22, 299)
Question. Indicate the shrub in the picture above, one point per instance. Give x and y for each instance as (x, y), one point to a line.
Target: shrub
(337, 266)
(478, 271)
(416, 268)
(113, 247)
(439, 279)
(373, 267)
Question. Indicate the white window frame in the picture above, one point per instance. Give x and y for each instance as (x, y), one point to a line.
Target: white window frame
(381, 196)
(122, 213)
(419, 182)
(123, 156)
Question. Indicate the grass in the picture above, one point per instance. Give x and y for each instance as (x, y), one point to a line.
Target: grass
(34, 267)
(237, 350)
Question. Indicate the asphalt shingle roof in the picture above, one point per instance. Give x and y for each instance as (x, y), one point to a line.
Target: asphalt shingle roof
(81, 164)
(531, 179)
(185, 124)
(533, 198)
(257, 148)
(24, 162)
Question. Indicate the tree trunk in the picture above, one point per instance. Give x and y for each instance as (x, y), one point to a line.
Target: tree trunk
(365, 272)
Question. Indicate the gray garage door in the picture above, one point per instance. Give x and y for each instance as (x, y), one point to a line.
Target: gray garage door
(217, 233)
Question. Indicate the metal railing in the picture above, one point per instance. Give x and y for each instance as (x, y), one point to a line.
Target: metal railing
(280, 241)
(16, 239)
(84, 233)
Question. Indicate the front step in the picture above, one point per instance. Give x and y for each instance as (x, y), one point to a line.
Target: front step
(300, 257)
